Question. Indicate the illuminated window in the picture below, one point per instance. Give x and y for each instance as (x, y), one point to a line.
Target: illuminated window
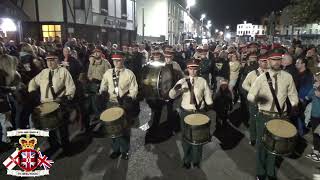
(51, 31)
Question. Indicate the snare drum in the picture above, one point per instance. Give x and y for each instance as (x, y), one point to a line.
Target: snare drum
(279, 137)
(196, 130)
(114, 121)
(45, 116)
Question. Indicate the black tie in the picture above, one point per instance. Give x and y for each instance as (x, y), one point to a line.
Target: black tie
(273, 107)
(192, 96)
(51, 84)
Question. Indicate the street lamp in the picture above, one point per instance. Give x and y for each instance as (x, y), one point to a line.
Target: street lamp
(201, 19)
(190, 3)
(217, 30)
(227, 27)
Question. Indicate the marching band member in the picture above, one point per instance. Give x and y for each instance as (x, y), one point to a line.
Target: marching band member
(55, 84)
(195, 94)
(119, 84)
(246, 85)
(157, 105)
(261, 92)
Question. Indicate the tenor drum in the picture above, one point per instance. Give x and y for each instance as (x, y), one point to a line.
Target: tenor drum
(279, 137)
(156, 81)
(45, 116)
(196, 129)
(114, 121)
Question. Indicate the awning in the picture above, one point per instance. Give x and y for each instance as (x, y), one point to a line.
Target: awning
(9, 9)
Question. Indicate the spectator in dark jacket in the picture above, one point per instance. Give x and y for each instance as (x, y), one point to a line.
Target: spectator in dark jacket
(304, 86)
(289, 67)
(221, 70)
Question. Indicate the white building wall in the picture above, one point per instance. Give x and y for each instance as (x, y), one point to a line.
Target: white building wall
(155, 17)
(309, 29)
(51, 10)
(118, 8)
(130, 10)
(112, 8)
(248, 29)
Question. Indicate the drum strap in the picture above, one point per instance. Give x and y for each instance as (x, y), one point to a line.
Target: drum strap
(274, 95)
(257, 72)
(50, 85)
(192, 94)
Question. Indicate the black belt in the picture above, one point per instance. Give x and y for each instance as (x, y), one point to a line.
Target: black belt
(96, 81)
(272, 114)
(193, 110)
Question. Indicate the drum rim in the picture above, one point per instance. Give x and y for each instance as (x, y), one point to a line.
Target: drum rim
(291, 125)
(113, 107)
(197, 124)
(194, 143)
(49, 112)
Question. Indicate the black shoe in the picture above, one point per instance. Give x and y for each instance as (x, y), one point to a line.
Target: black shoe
(186, 165)
(261, 177)
(196, 165)
(115, 155)
(252, 143)
(272, 178)
(125, 156)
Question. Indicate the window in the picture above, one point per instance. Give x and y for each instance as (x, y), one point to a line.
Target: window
(104, 7)
(124, 9)
(79, 4)
(310, 32)
(51, 31)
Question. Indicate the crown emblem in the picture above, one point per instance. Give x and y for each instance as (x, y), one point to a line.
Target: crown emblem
(27, 142)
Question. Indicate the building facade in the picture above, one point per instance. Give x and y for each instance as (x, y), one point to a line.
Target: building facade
(161, 20)
(251, 30)
(93, 20)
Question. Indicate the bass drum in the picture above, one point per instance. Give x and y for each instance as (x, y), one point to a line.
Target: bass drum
(157, 80)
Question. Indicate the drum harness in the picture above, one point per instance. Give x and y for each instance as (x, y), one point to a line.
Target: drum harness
(193, 97)
(50, 85)
(274, 95)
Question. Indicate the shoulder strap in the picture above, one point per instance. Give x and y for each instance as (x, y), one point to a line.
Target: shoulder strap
(257, 72)
(194, 97)
(276, 101)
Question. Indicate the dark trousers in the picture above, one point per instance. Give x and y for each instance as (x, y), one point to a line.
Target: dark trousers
(265, 161)
(253, 110)
(59, 137)
(156, 108)
(122, 143)
(192, 153)
(316, 138)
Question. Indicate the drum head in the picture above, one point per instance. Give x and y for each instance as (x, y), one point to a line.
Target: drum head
(196, 119)
(281, 128)
(165, 82)
(47, 108)
(112, 114)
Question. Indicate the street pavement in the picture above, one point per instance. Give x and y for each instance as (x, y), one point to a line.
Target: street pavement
(227, 157)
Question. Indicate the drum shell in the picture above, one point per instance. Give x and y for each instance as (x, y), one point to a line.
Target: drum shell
(48, 121)
(197, 134)
(152, 82)
(115, 128)
(276, 145)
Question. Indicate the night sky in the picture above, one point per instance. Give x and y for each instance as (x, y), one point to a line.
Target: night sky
(232, 12)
